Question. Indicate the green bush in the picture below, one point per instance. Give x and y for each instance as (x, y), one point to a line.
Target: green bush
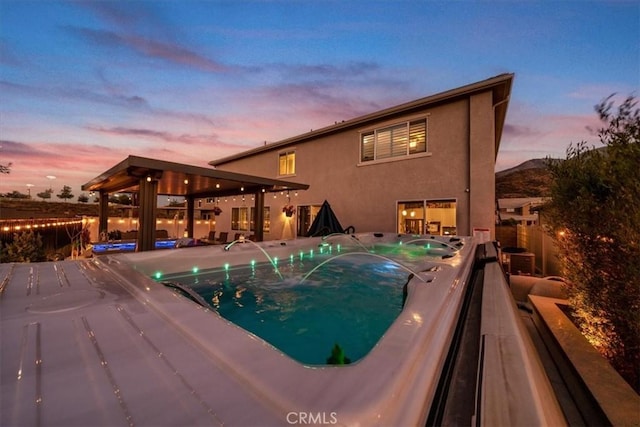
(594, 215)
(26, 247)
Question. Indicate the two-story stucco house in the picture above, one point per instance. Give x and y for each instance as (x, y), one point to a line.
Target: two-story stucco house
(426, 166)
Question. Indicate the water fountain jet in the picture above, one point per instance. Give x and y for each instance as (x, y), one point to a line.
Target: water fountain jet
(271, 260)
(402, 266)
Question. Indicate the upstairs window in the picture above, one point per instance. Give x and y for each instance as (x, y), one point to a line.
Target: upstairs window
(395, 141)
(287, 163)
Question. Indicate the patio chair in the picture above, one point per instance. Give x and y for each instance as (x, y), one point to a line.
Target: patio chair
(223, 238)
(210, 239)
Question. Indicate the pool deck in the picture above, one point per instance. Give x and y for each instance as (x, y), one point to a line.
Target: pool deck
(79, 349)
(97, 342)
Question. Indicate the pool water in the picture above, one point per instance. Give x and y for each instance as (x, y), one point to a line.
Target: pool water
(415, 251)
(344, 293)
(350, 301)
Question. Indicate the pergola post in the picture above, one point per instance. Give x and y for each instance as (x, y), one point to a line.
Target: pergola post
(103, 214)
(191, 201)
(147, 215)
(258, 220)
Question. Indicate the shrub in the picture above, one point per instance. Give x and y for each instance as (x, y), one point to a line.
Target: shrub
(26, 247)
(594, 216)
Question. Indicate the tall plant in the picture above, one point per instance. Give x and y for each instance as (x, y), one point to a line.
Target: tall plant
(26, 247)
(594, 215)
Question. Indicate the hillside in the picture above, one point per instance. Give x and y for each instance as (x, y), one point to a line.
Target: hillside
(529, 164)
(528, 179)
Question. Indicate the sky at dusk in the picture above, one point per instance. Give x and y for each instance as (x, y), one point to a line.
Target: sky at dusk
(84, 84)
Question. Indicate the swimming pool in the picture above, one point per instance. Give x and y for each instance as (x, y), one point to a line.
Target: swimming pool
(391, 385)
(342, 293)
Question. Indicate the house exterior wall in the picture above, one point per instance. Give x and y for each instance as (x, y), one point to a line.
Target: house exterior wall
(458, 165)
(482, 183)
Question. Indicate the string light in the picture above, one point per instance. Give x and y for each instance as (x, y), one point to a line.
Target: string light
(11, 226)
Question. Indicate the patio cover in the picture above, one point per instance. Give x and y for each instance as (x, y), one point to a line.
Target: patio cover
(150, 177)
(325, 222)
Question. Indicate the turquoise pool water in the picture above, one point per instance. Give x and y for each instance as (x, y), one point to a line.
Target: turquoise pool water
(305, 304)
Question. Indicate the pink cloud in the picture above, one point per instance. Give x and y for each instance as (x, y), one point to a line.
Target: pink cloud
(316, 106)
(599, 92)
(71, 165)
(166, 51)
(186, 139)
(73, 93)
(530, 135)
(511, 131)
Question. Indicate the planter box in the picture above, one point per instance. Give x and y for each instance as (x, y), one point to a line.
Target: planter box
(600, 393)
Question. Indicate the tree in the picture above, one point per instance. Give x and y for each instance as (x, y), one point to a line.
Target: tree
(120, 198)
(65, 193)
(82, 198)
(594, 214)
(26, 247)
(16, 195)
(46, 194)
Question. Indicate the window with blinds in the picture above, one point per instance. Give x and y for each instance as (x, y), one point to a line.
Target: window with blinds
(242, 219)
(394, 141)
(287, 163)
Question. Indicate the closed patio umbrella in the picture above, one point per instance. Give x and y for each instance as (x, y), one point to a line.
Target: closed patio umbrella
(325, 222)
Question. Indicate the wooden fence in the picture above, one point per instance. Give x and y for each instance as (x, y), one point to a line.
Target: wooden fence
(534, 239)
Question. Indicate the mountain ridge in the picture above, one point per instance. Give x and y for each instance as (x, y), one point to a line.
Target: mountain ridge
(527, 164)
(530, 178)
